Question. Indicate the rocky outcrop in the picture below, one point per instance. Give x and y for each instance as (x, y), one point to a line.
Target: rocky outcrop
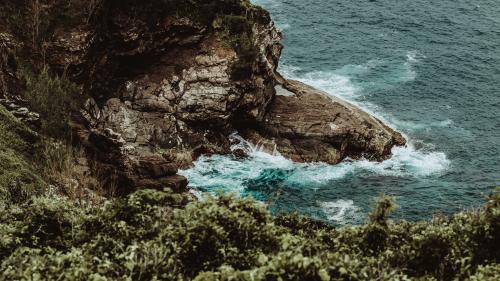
(168, 81)
(308, 125)
(163, 90)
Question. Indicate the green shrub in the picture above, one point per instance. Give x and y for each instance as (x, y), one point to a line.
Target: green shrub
(55, 99)
(153, 235)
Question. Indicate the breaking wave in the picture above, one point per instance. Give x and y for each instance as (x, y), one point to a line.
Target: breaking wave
(261, 172)
(340, 211)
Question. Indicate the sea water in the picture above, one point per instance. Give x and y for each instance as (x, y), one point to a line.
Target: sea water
(429, 69)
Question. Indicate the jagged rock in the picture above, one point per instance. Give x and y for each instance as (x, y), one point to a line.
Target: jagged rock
(25, 115)
(180, 99)
(240, 153)
(308, 125)
(163, 88)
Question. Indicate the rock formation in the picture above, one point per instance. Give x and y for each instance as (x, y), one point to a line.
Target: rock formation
(308, 125)
(166, 82)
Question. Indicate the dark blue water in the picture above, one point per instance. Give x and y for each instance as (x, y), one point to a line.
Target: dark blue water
(430, 69)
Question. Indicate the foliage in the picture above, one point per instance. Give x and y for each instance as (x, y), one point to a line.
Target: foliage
(154, 235)
(55, 99)
(36, 20)
(18, 144)
(238, 33)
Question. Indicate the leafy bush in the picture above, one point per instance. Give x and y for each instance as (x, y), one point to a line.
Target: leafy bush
(154, 235)
(55, 99)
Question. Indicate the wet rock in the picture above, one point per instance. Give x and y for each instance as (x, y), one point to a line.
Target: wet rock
(178, 102)
(308, 125)
(240, 153)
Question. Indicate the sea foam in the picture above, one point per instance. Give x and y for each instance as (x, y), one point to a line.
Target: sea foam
(269, 168)
(340, 211)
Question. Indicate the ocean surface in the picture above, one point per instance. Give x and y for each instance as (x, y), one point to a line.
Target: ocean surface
(430, 69)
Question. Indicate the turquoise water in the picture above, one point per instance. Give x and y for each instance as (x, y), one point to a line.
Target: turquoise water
(430, 69)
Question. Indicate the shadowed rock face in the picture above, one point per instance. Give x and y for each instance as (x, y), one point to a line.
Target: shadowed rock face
(308, 125)
(163, 88)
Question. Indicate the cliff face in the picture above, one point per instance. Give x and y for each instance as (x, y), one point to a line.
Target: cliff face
(167, 81)
(165, 87)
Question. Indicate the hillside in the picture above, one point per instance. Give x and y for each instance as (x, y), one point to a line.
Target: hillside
(103, 101)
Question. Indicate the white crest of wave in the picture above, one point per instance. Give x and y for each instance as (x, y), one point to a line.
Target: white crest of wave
(330, 82)
(222, 172)
(230, 173)
(283, 26)
(408, 161)
(340, 211)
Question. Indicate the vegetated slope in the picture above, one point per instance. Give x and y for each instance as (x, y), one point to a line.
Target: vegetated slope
(158, 235)
(18, 148)
(153, 235)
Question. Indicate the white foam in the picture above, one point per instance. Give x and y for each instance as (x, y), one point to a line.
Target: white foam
(231, 174)
(408, 161)
(330, 82)
(415, 56)
(283, 26)
(316, 174)
(340, 211)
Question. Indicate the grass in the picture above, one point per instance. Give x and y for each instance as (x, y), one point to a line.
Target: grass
(18, 145)
(67, 168)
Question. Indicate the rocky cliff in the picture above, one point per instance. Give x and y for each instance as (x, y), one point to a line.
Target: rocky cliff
(165, 82)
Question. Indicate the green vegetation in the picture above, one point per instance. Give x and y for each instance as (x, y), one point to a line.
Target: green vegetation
(238, 34)
(18, 144)
(158, 235)
(52, 234)
(54, 98)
